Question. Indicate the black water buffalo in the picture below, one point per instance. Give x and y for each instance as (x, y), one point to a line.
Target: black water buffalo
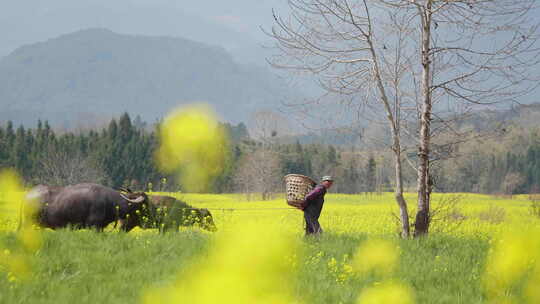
(37, 200)
(86, 205)
(167, 212)
(41, 195)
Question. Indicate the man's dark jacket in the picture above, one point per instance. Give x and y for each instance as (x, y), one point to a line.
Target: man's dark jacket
(315, 200)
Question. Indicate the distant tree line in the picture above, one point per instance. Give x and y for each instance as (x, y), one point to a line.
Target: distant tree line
(506, 164)
(122, 155)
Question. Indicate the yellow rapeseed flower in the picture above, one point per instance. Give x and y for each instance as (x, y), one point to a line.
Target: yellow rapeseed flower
(247, 265)
(12, 200)
(532, 291)
(377, 256)
(11, 195)
(389, 292)
(30, 238)
(19, 266)
(512, 257)
(193, 145)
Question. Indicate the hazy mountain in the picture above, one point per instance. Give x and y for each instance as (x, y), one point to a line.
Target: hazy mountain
(98, 73)
(363, 135)
(234, 25)
(524, 115)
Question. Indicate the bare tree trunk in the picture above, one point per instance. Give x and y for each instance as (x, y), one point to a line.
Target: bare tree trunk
(394, 120)
(398, 192)
(421, 225)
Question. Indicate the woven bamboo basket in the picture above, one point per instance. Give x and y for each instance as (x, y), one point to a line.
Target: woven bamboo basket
(296, 187)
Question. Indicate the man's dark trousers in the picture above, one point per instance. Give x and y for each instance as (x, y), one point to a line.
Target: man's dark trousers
(315, 201)
(311, 215)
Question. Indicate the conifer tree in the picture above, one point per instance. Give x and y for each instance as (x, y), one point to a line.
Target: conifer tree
(371, 174)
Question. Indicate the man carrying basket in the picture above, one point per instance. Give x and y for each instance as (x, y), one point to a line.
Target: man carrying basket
(313, 203)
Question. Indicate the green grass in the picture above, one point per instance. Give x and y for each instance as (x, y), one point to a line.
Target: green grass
(89, 267)
(113, 267)
(117, 268)
(440, 269)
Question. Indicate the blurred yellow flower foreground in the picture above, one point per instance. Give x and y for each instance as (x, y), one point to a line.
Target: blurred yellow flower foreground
(378, 256)
(389, 292)
(381, 258)
(514, 258)
(11, 198)
(13, 201)
(193, 145)
(245, 265)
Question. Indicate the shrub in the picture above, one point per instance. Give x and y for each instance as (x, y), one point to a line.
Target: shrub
(493, 214)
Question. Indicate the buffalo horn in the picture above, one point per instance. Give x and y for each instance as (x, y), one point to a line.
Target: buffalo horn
(125, 190)
(139, 199)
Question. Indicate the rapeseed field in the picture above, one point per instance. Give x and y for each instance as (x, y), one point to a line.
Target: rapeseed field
(482, 249)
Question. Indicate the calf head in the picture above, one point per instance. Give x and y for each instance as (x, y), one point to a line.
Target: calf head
(203, 218)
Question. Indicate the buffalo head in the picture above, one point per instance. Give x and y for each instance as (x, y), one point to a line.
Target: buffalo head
(132, 209)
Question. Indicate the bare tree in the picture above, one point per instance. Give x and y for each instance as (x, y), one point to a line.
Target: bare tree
(59, 168)
(259, 172)
(265, 125)
(511, 182)
(329, 39)
(420, 62)
(446, 214)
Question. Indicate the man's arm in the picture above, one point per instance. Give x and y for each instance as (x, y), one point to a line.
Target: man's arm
(314, 194)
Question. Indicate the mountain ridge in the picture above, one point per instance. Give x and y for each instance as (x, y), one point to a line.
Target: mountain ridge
(102, 72)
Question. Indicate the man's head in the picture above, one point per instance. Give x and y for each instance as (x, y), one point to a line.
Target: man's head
(327, 181)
